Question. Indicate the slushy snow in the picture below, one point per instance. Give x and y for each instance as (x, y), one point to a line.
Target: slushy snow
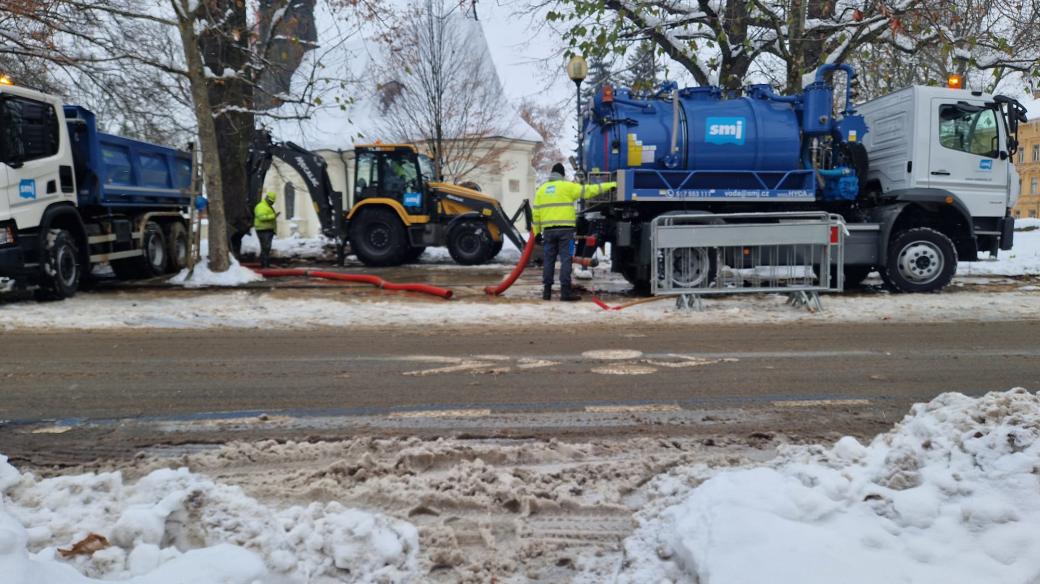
(951, 495)
(176, 527)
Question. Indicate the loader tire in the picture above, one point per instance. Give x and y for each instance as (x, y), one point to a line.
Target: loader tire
(177, 247)
(60, 269)
(470, 243)
(496, 248)
(378, 238)
(919, 260)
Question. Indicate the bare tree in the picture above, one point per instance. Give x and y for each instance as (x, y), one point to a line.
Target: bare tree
(550, 123)
(207, 54)
(439, 88)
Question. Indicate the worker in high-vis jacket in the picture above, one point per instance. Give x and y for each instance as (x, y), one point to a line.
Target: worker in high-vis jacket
(555, 219)
(265, 219)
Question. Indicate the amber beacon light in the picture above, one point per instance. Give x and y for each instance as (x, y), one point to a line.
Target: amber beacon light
(955, 81)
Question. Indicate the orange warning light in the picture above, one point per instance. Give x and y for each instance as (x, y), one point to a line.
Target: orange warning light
(955, 81)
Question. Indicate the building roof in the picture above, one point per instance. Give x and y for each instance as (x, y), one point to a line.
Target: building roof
(338, 123)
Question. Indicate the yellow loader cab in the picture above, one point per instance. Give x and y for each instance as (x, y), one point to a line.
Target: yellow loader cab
(399, 211)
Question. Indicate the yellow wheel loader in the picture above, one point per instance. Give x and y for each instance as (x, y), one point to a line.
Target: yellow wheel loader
(399, 211)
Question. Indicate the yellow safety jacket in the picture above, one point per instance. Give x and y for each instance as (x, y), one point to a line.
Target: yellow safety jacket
(264, 217)
(554, 202)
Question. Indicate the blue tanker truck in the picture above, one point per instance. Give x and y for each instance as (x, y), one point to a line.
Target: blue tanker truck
(923, 177)
(73, 197)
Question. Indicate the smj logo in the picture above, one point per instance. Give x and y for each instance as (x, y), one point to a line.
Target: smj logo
(27, 189)
(724, 131)
(985, 165)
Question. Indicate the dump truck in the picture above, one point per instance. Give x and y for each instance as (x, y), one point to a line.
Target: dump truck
(74, 197)
(922, 178)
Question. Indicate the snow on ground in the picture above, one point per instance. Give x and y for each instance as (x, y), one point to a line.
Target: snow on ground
(176, 527)
(202, 277)
(949, 495)
(243, 309)
(1023, 259)
(295, 246)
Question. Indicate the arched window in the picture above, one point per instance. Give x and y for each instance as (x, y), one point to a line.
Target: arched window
(289, 196)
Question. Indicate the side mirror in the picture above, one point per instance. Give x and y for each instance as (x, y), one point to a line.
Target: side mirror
(1003, 155)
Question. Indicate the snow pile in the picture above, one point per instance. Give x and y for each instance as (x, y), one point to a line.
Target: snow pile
(949, 495)
(202, 276)
(1023, 259)
(173, 527)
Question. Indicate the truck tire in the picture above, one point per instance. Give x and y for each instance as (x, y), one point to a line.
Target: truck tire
(60, 270)
(919, 260)
(378, 238)
(693, 267)
(153, 260)
(470, 243)
(413, 254)
(177, 247)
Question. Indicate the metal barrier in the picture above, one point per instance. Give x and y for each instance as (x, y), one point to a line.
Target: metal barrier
(794, 253)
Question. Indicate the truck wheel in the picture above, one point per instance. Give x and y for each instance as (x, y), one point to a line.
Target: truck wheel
(378, 238)
(693, 267)
(177, 247)
(413, 254)
(60, 270)
(919, 260)
(470, 243)
(153, 261)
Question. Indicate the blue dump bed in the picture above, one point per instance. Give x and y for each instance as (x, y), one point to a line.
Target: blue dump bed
(121, 173)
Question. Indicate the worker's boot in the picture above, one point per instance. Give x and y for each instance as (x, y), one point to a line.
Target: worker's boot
(547, 293)
(568, 295)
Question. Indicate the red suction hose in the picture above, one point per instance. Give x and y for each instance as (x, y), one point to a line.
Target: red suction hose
(358, 278)
(525, 257)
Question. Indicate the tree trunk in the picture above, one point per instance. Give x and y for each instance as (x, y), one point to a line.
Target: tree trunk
(226, 48)
(218, 234)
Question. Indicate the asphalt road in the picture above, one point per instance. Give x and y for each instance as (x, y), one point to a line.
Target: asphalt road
(184, 374)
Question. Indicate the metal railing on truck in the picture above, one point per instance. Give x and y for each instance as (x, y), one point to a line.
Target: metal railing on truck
(796, 253)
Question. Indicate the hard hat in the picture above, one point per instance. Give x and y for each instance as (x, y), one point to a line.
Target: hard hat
(272, 195)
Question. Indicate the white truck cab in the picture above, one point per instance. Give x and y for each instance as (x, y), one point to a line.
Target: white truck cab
(36, 166)
(940, 138)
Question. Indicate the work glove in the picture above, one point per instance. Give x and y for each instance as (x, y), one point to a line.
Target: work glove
(538, 239)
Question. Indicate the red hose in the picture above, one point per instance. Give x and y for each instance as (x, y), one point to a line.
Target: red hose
(525, 257)
(606, 306)
(359, 278)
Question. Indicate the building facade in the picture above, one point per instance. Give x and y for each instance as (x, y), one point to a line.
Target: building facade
(1027, 163)
(510, 180)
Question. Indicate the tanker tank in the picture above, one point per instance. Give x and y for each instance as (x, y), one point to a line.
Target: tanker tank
(698, 144)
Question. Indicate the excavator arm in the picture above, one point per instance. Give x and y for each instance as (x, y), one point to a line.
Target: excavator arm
(328, 203)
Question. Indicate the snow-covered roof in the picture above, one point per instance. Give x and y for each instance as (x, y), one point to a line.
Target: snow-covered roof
(337, 124)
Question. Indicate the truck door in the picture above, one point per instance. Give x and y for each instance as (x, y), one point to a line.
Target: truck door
(968, 155)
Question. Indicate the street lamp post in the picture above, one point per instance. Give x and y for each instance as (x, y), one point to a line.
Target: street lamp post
(577, 70)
